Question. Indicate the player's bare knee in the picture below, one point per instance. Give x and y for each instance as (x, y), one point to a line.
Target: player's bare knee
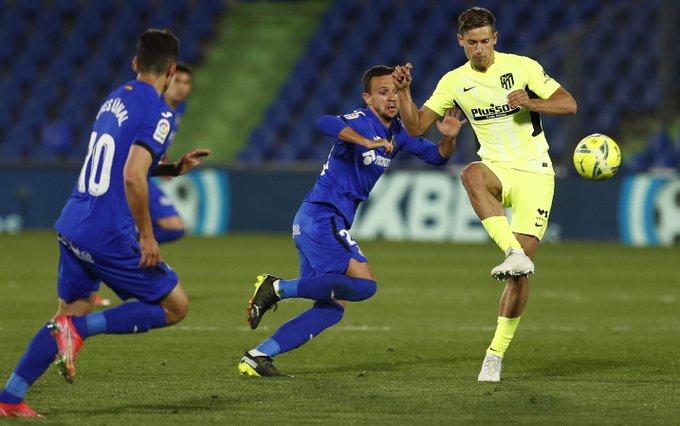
(471, 176)
(177, 312)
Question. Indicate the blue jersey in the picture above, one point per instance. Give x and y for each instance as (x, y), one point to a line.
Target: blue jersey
(96, 215)
(352, 170)
(178, 113)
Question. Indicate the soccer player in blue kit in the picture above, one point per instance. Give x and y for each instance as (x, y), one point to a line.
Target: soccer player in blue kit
(333, 269)
(167, 223)
(96, 230)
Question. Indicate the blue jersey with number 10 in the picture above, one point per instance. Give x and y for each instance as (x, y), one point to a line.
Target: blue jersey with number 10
(96, 215)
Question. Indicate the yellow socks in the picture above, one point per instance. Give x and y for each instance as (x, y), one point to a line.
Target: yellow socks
(499, 230)
(504, 333)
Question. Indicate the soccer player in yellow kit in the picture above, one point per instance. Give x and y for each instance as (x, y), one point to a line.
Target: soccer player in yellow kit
(502, 96)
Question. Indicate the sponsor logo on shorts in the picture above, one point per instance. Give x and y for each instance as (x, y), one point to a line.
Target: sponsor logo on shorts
(296, 230)
(541, 217)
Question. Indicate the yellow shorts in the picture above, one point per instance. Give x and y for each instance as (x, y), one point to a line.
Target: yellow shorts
(529, 195)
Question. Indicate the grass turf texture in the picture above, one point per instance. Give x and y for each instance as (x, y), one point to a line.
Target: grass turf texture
(597, 343)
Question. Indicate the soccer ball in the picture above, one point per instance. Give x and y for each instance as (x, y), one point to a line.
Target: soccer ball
(597, 157)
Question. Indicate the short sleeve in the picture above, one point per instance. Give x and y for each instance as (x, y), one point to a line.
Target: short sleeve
(154, 132)
(358, 121)
(442, 97)
(539, 81)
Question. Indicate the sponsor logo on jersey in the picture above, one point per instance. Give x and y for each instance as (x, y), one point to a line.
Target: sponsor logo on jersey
(371, 157)
(162, 130)
(494, 111)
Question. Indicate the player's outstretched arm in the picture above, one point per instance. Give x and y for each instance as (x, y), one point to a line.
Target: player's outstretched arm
(187, 162)
(416, 121)
(334, 127)
(449, 127)
(137, 193)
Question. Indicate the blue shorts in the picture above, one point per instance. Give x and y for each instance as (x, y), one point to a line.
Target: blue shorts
(323, 240)
(160, 205)
(81, 271)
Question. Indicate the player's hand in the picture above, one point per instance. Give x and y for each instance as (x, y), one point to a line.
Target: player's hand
(191, 159)
(151, 253)
(377, 143)
(402, 76)
(451, 124)
(518, 98)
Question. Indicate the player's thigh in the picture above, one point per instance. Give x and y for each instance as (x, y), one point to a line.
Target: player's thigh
(75, 279)
(176, 304)
(357, 269)
(323, 240)
(499, 181)
(531, 196)
(121, 272)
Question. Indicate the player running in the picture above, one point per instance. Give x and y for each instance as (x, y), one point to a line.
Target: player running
(333, 269)
(503, 96)
(96, 230)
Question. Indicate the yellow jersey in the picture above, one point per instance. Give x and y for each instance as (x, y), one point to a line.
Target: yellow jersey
(512, 138)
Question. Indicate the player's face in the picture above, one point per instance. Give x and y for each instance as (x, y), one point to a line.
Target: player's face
(478, 45)
(180, 86)
(383, 97)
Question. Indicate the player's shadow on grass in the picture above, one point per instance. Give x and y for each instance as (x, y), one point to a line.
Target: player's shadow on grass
(209, 403)
(386, 365)
(575, 366)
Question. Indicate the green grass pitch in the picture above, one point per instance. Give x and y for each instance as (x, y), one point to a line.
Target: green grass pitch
(598, 342)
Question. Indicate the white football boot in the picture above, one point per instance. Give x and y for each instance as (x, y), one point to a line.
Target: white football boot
(491, 369)
(516, 264)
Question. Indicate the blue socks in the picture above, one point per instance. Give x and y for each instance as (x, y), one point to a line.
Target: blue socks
(328, 287)
(302, 328)
(127, 318)
(38, 356)
(166, 235)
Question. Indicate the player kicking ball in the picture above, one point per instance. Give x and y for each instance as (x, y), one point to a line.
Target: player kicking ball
(333, 270)
(503, 96)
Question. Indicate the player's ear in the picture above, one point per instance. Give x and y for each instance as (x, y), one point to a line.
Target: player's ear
(367, 98)
(134, 64)
(172, 69)
(494, 38)
(460, 39)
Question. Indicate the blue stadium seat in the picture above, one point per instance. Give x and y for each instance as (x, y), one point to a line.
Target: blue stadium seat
(88, 24)
(56, 141)
(141, 8)
(104, 8)
(162, 19)
(19, 143)
(200, 23)
(75, 48)
(189, 47)
(49, 23)
(66, 8)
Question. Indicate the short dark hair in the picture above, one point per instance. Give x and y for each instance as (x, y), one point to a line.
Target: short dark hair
(375, 71)
(476, 17)
(156, 50)
(185, 68)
